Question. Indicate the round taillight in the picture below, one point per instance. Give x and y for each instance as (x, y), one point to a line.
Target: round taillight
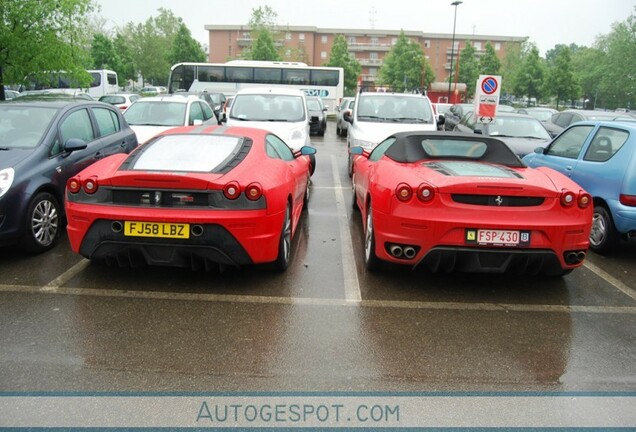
(90, 186)
(584, 200)
(567, 199)
(253, 191)
(74, 185)
(232, 190)
(403, 192)
(425, 192)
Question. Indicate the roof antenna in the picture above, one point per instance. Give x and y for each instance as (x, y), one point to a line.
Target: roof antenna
(372, 19)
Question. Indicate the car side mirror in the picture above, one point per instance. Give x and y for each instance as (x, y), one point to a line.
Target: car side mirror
(441, 119)
(357, 150)
(347, 116)
(540, 150)
(307, 150)
(74, 144)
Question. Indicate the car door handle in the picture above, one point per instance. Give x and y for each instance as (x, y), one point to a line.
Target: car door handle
(569, 168)
(98, 155)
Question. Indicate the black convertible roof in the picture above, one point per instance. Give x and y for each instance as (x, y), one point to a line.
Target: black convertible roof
(409, 147)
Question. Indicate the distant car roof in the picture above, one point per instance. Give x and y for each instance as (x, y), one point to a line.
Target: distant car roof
(271, 90)
(168, 98)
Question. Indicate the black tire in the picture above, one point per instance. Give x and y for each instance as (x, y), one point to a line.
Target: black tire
(312, 164)
(43, 224)
(307, 194)
(284, 245)
(354, 204)
(371, 260)
(350, 166)
(338, 130)
(603, 236)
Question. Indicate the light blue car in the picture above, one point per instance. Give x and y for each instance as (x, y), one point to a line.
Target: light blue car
(601, 157)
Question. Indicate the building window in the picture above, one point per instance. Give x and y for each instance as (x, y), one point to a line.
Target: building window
(497, 46)
(351, 40)
(373, 56)
(301, 36)
(323, 54)
(288, 36)
(427, 43)
(373, 71)
(324, 38)
(375, 41)
(477, 45)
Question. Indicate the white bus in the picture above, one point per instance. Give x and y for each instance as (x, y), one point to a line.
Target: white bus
(104, 82)
(228, 78)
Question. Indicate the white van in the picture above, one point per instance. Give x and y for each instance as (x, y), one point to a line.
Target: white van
(282, 111)
(376, 115)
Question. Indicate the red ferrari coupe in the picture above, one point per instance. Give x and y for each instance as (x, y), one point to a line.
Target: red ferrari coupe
(466, 202)
(200, 197)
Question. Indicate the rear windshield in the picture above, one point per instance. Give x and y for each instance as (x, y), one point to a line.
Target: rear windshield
(191, 153)
(268, 107)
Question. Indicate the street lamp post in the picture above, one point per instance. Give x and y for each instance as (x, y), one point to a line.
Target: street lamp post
(450, 77)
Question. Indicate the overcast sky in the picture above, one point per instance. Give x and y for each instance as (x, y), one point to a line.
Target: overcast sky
(545, 22)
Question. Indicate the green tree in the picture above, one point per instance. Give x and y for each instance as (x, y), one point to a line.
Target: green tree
(263, 27)
(103, 52)
(43, 35)
(467, 68)
(127, 69)
(511, 66)
(489, 63)
(561, 81)
(151, 45)
(340, 57)
(590, 69)
(263, 48)
(618, 85)
(185, 48)
(530, 78)
(403, 65)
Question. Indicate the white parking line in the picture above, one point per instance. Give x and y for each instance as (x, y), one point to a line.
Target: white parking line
(611, 280)
(308, 301)
(67, 275)
(351, 283)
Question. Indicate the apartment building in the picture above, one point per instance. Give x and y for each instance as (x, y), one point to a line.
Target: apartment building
(312, 45)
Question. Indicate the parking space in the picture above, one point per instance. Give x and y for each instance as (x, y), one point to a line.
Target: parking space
(324, 324)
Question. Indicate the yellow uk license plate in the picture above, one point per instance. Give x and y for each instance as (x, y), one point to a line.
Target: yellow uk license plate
(156, 229)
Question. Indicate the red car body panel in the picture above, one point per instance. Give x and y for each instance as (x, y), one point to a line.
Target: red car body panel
(443, 221)
(256, 230)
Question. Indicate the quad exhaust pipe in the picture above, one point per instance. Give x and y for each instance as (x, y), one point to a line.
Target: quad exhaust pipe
(574, 257)
(402, 251)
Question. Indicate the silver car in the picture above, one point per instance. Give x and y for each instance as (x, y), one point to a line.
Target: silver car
(341, 123)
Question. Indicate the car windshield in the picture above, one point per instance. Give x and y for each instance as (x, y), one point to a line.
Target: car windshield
(540, 114)
(192, 153)
(519, 127)
(395, 108)
(23, 126)
(313, 105)
(113, 99)
(156, 113)
(268, 107)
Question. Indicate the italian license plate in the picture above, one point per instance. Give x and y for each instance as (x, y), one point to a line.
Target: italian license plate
(156, 229)
(490, 237)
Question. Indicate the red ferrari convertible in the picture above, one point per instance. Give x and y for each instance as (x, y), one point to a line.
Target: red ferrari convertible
(466, 202)
(200, 197)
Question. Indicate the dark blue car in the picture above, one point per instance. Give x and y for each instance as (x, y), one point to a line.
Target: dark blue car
(601, 157)
(42, 144)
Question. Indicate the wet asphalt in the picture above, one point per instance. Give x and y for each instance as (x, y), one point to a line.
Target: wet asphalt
(324, 325)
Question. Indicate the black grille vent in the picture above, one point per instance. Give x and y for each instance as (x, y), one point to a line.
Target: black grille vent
(498, 200)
